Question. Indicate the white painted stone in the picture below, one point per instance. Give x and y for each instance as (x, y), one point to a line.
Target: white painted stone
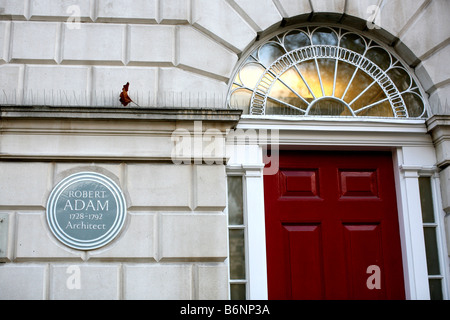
(159, 185)
(123, 10)
(211, 186)
(360, 8)
(28, 42)
(204, 55)
(440, 100)
(193, 236)
(174, 11)
(94, 43)
(157, 282)
(361, 13)
(108, 82)
(30, 188)
(64, 169)
(262, 14)
(150, 45)
(59, 85)
(34, 239)
(84, 282)
(6, 235)
(118, 142)
(192, 85)
(444, 176)
(4, 41)
(418, 156)
(137, 240)
(292, 8)
(422, 39)
(219, 20)
(14, 9)
(11, 81)
(434, 71)
(327, 11)
(213, 282)
(404, 12)
(60, 10)
(336, 6)
(23, 282)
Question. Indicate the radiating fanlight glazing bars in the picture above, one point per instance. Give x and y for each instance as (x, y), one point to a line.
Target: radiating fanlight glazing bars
(325, 71)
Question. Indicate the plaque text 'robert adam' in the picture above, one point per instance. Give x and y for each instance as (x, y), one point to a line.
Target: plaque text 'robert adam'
(87, 206)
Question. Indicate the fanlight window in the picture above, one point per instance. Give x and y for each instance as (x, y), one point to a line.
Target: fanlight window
(325, 71)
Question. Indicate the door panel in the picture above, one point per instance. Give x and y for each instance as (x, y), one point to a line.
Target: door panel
(304, 256)
(332, 227)
(364, 254)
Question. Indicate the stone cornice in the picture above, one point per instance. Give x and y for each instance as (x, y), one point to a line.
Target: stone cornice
(121, 113)
(104, 134)
(439, 128)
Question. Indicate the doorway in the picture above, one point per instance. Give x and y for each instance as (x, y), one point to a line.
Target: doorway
(332, 228)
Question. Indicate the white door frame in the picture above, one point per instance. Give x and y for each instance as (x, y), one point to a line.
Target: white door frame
(413, 154)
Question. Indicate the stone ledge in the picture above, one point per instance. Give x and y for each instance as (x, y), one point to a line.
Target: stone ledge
(121, 113)
(439, 128)
(438, 120)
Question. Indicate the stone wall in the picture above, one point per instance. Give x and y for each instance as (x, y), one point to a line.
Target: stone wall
(174, 241)
(168, 249)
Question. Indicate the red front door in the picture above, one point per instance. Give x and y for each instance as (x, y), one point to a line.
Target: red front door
(332, 227)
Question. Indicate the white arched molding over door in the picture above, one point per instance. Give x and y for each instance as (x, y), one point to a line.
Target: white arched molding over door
(325, 71)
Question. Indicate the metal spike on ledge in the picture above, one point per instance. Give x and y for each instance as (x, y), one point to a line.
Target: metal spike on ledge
(104, 98)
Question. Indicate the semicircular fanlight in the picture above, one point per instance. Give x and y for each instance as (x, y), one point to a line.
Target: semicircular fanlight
(325, 71)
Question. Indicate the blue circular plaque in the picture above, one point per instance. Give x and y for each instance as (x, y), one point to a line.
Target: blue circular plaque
(86, 210)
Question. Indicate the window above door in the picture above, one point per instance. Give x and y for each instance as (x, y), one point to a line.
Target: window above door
(325, 71)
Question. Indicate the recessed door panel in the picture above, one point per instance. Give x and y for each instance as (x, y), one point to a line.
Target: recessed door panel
(304, 257)
(364, 260)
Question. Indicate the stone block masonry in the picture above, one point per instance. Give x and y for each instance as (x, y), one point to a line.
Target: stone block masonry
(204, 39)
(165, 244)
(173, 244)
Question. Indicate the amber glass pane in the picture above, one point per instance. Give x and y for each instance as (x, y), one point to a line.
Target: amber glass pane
(250, 74)
(329, 107)
(293, 80)
(326, 67)
(241, 99)
(372, 94)
(309, 71)
(382, 109)
(360, 82)
(278, 108)
(344, 74)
